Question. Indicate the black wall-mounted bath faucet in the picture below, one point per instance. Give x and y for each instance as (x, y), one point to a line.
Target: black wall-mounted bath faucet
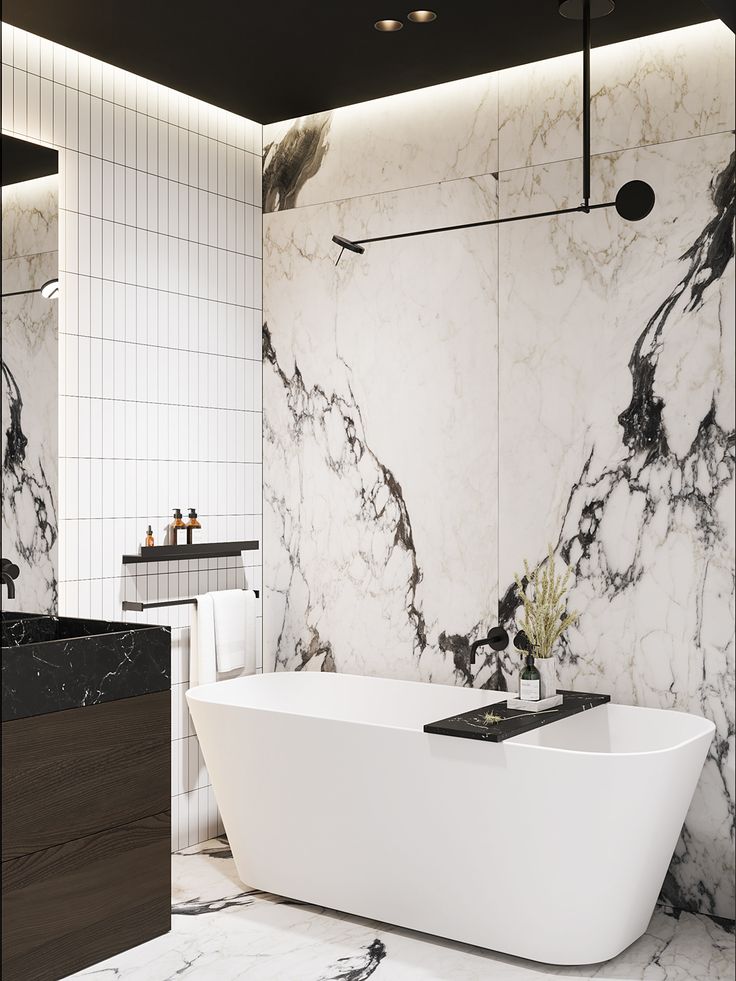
(497, 638)
(10, 572)
(522, 642)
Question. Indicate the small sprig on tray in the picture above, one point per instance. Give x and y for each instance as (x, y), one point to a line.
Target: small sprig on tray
(491, 719)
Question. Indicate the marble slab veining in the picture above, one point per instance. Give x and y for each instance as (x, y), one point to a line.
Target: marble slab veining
(223, 930)
(60, 663)
(610, 394)
(352, 483)
(646, 91)
(632, 382)
(30, 391)
(430, 135)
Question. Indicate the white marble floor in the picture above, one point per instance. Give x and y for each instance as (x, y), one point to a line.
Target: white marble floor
(222, 931)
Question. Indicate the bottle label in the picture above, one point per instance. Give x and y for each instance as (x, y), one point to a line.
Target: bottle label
(529, 691)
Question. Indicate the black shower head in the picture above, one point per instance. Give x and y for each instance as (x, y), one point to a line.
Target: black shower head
(345, 243)
(635, 199)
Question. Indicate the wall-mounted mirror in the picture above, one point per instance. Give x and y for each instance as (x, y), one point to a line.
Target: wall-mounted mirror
(30, 277)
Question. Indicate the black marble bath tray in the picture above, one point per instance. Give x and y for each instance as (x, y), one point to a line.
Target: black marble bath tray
(471, 725)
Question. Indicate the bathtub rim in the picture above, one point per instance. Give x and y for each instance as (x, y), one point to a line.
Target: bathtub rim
(706, 726)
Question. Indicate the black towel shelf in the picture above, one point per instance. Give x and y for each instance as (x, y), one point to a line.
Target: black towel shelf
(174, 553)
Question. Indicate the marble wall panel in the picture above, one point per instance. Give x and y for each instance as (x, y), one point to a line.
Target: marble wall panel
(649, 90)
(440, 133)
(582, 371)
(616, 447)
(30, 367)
(383, 562)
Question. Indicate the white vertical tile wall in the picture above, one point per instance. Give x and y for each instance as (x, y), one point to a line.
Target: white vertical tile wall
(159, 345)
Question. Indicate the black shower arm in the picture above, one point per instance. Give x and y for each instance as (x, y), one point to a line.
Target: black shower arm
(492, 221)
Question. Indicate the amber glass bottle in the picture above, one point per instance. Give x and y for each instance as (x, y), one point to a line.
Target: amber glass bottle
(191, 525)
(176, 526)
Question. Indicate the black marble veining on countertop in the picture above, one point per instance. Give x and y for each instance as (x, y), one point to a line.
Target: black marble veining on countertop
(14, 625)
(50, 664)
(29, 628)
(480, 724)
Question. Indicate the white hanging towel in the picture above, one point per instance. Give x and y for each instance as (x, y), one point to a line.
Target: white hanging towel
(235, 630)
(202, 657)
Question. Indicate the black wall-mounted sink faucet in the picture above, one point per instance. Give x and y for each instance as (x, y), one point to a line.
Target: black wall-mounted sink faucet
(10, 573)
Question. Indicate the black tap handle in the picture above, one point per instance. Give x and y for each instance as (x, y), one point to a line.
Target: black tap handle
(498, 638)
(10, 569)
(521, 641)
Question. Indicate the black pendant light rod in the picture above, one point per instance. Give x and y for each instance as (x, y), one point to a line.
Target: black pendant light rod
(634, 200)
(586, 105)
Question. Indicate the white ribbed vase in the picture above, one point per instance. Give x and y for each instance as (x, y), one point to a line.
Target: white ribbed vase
(547, 668)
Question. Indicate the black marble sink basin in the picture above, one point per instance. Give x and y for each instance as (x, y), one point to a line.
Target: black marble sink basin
(50, 663)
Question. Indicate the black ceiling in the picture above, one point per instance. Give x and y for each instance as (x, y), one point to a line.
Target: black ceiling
(22, 161)
(275, 60)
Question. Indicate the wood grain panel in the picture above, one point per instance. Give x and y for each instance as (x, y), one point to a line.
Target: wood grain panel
(76, 903)
(71, 774)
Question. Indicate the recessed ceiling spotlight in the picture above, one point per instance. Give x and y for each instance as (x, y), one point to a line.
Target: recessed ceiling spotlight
(388, 25)
(422, 16)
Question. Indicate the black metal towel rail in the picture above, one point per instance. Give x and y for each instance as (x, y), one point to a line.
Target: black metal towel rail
(137, 607)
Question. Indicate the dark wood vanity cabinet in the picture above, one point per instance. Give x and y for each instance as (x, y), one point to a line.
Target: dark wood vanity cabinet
(86, 864)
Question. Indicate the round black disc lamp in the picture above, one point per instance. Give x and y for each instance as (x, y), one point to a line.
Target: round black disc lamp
(345, 243)
(634, 201)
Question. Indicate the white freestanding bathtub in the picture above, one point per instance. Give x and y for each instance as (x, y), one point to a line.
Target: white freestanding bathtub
(551, 845)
